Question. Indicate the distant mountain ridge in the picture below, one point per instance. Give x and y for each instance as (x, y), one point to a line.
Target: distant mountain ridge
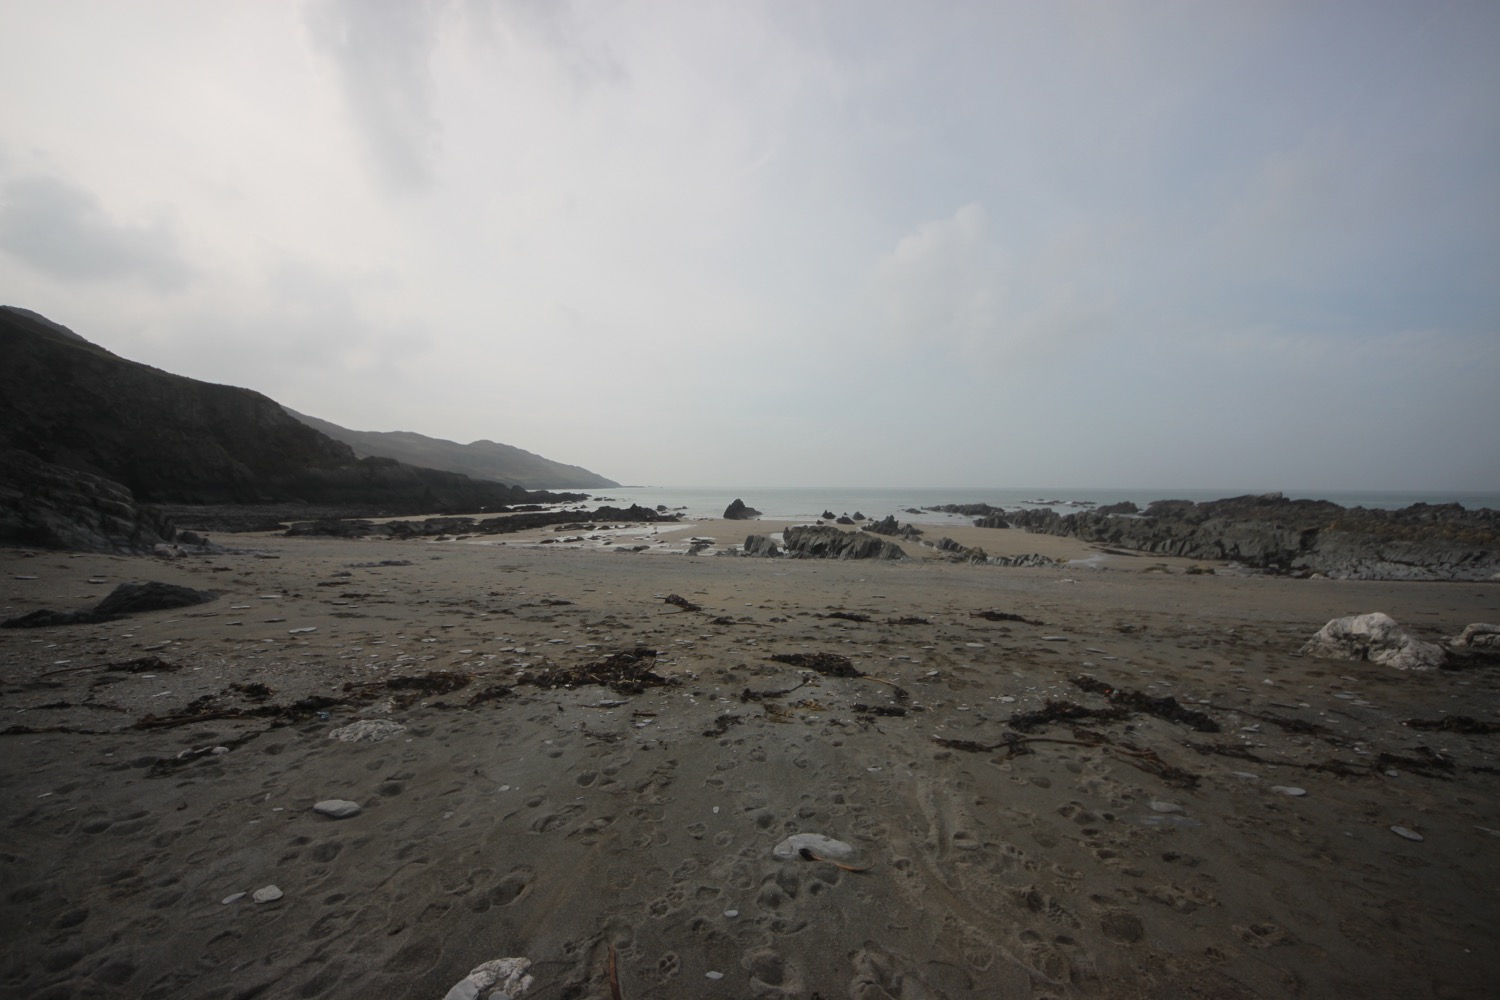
(171, 439)
(487, 460)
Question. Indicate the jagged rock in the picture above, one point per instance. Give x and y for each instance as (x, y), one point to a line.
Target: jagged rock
(966, 509)
(1123, 507)
(53, 507)
(828, 515)
(1375, 637)
(823, 542)
(1029, 559)
(739, 511)
(760, 545)
(888, 525)
(991, 521)
(844, 519)
(1299, 537)
(1478, 636)
(133, 598)
(858, 516)
(962, 553)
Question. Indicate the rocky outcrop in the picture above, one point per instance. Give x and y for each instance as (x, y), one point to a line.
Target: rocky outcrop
(1123, 507)
(169, 439)
(432, 527)
(961, 553)
(760, 545)
(48, 506)
(824, 542)
(888, 525)
(967, 509)
(739, 511)
(1299, 537)
(1377, 638)
(991, 521)
(126, 599)
(1028, 559)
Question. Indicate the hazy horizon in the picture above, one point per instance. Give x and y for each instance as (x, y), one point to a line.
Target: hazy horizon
(822, 244)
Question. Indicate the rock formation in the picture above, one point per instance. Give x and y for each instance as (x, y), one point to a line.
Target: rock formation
(47, 506)
(888, 525)
(1299, 537)
(824, 542)
(739, 511)
(1377, 638)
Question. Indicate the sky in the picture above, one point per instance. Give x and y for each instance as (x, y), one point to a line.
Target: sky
(1240, 245)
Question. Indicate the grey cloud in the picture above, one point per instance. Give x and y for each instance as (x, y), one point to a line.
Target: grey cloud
(63, 230)
(381, 51)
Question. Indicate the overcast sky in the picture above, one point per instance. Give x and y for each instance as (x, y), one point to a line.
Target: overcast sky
(1240, 245)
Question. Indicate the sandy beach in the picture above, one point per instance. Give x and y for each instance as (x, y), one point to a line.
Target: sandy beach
(158, 767)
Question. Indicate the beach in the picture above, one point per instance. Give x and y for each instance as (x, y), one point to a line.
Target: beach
(1258, 842)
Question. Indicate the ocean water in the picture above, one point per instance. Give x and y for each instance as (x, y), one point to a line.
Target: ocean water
(808, 503)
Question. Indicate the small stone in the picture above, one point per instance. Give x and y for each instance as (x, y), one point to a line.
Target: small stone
(269, 894)
(713, 975)
(219, 750)
(338, 808)
(1054, 638)
(1289, 790)
(823, 847)
(367, 730)
(1402, 831)
(234, 897)
(1166, 807)
(731, 913)
(299, 631)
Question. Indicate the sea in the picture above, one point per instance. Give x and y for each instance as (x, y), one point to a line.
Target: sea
(808, 503)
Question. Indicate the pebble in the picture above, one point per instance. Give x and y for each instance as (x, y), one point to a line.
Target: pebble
(823, 847)
(1054, 638)
(731, 913)
(1289, 790)
(267, 895)
(367, 730)
(1402, 831)
(299, 631)
(338, 808)
(1247, 775)
(232, 898)
(1166, 807)
(713, 975)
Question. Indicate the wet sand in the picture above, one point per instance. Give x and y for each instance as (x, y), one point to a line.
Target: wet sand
(1127, 859)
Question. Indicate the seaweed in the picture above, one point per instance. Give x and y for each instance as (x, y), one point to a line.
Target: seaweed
(682, 602)
(1165, 707)
(1062, 711)
(827, 664)
(628, 671)
(722, 724)
(1003, 616)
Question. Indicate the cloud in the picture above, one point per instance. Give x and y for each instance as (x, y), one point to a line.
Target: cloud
(948, 284)
(63, 230)
(381, 51)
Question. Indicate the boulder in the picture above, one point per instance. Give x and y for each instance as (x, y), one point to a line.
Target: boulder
(888, 525)
(50, 506)
(1478, 636)
(760, 545)
(740, 511)
(133, 598)
(824, 542)
(1377, 638)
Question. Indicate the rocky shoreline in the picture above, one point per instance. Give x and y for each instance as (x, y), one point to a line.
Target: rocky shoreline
(1292, 537)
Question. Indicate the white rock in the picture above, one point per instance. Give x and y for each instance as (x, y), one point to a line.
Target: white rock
(338, 808)
(1478, 636)
(269, 894)
(713, 975)
(1402, 831)
(823, 847)
(233, 897)
(367, 730)
(500, 979)
(1289, 790)
(1375, 637)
